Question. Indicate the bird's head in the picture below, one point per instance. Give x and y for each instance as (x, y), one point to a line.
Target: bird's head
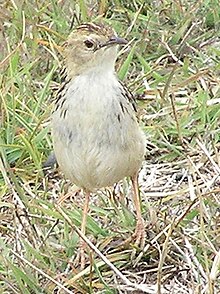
(91, 47)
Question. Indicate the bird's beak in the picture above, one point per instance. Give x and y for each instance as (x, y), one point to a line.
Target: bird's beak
(114, 40)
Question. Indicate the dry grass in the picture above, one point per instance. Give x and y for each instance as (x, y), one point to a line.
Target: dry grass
(173, 68)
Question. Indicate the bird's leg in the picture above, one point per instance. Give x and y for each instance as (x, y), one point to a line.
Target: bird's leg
(83, 230)
(139, 234)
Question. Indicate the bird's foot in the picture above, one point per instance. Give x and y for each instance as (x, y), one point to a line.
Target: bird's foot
(137, 239)
(80, 260)
(138, 236)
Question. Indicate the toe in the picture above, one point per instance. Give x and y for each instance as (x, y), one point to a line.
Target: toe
(139, 237)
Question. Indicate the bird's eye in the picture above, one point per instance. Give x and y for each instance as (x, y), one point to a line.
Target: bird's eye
(88, 44)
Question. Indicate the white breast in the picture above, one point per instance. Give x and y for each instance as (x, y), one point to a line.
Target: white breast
(97, 140)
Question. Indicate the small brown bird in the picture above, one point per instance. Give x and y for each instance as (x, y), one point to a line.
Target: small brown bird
(97, 140)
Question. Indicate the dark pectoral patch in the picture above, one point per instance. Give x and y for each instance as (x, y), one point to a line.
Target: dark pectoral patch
(119, 117)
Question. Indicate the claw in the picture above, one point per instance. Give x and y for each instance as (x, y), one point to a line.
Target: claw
(137, 239)
(80, 259)
(138, 236)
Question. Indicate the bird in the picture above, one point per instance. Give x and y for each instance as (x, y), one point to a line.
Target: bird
(96, 136)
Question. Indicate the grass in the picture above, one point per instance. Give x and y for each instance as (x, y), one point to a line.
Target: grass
(173, 69)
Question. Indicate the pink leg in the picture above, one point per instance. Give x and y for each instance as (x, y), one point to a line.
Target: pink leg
(83, 230)
(139, 234)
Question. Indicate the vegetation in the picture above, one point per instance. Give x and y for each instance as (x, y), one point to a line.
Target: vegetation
(172, 65)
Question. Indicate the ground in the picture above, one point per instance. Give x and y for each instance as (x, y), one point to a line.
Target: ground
(172, 67)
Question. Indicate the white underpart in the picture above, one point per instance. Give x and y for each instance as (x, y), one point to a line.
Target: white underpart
(97, 143)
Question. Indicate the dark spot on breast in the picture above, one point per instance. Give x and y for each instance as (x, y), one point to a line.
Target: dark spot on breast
(70, 136)
(57, 106)
(122, 107)
(119, 117)
(64, 113)
(62, 102)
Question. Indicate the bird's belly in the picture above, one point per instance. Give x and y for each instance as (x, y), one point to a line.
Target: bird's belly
(98, 154)
(97, 140)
